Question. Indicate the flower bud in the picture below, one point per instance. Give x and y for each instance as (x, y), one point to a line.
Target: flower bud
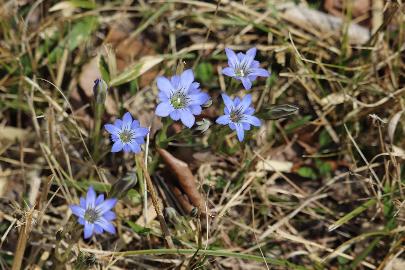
(171, 215)
(207, 104)
(120, 188)
(203, 125)
(100, 90)
(275, 112)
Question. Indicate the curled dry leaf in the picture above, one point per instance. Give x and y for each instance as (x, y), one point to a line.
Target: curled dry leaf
(185, 179)
(392, 125)
(310, 19)
(358, 8)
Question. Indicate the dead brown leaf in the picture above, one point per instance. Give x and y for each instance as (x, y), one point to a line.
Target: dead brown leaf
(185, 178)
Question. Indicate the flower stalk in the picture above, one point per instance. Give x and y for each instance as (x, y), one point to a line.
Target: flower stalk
(155, 202)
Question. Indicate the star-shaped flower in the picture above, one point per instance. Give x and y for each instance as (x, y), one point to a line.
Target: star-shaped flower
(180, 97)
(238, 115)
(244, 67)
(95, 213)
(127, 134)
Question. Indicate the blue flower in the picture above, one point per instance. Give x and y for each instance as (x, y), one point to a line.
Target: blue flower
(181, 98)
(127, 134)
(244, 67)
(95, 213)
(238, 115)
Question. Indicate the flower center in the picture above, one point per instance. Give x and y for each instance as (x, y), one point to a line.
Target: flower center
(236, 115)
(91, 215)
(126, 136)
(242, 70)
(179, 100)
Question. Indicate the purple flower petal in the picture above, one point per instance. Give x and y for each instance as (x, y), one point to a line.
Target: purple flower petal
(194, 88)
(229, 72)
(127, 120)
(249, 111)
(240, 132)
(164, 109)
(117, 146)
(255, 64)
(198, 99)
(232, 58)
(259, 72)
(82, 203)
(246, 83)
(195, 109)
(127, 148)
(135, 147)
(175, 115)
(100, 199)
(245, 103)
(88, 230)
(164, 85)
(223, 120)
(227, 101)
(98, 229)
(105, 206)
(253, 120)
(241, 57)
(139, 140)
(118, 123)
(250, 56)
(77, 211)
(187, 118)
(112, 129)
(141, 132)
(175, 80)
(163, 97)
(90, 198)
(106, 225)
(187, 78)
(109, 215)
(135, 124)
(246, 126)
(81, 221)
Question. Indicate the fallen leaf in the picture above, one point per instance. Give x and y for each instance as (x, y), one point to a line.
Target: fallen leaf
(12, 133)
(274, 166)
(185, 178)
(392, 125)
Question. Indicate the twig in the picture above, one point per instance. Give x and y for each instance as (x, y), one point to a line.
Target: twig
(155, 203)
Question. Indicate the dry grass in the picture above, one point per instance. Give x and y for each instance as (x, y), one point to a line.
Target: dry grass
(321, 189)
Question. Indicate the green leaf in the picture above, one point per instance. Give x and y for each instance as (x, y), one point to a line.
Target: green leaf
(143, 65)
(324, 138)
(298, 123)
(80, 33)
(204, 72)
(307, 172)
(357, 211)
(134, 196)
(103, 67)
(138, 228)
(324, 168)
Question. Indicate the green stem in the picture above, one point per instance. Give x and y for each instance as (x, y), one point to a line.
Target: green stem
(216, 253)
(99, 110)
